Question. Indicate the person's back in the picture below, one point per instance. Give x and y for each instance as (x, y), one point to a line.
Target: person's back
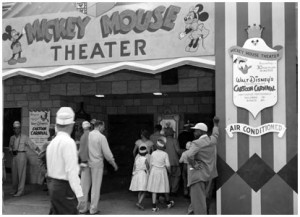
(172, 149)
(94, 145)
(205, 147)
(83, 148)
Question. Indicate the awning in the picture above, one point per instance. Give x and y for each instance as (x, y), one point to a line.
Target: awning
(98, 70)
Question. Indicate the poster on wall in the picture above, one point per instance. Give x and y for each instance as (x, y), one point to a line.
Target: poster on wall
(255, 72)
(39, 123)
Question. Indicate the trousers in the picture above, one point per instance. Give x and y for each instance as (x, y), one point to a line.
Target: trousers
(86, 181)
(19, 163)
(62, 198)
(198, 198)
(174, 179)
(97, 174)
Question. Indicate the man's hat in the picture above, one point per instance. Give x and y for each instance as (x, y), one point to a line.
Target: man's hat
(200, 126)
(65, 116)
(93, 121)
(17, 124)
(86, 124)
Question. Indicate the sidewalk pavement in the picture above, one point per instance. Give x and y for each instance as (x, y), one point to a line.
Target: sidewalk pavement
(36, 202)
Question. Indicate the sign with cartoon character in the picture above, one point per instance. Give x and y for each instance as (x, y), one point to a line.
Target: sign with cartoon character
(255, 72)
(39, 123)
(195, 28)
(109, 32)
(14, 37)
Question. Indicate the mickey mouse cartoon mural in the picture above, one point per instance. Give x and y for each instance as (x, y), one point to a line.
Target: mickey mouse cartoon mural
(14, 37)
(195, 28)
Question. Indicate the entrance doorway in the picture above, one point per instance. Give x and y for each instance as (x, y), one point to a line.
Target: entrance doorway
(10, 115)
(122, 132)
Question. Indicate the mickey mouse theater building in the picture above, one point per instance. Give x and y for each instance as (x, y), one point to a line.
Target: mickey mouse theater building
(168, 63)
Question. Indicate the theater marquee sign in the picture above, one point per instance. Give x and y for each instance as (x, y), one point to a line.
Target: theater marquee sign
(137, 31)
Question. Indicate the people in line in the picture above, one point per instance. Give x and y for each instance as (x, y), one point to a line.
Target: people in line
(158, 181)
(85, 171)
(140, 175)
(202, 150)
(158, 173)
(98, 150)
(145, 139)
(156, 134)
(65, 191)
(18, 146)
(184, 137)
(173, 151)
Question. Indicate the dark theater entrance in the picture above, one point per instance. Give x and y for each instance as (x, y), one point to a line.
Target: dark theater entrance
(122, 132)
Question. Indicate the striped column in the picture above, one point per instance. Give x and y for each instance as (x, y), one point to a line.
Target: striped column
(276, 195)
(254, 142)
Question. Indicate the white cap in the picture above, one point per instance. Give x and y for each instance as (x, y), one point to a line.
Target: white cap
(162, 141)
(200, 126)
(143, 148)
(86, 124)
(65, 116)
(16, 124)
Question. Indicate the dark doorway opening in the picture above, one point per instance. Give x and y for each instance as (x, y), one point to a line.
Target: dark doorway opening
(10, 115)
(122, 132)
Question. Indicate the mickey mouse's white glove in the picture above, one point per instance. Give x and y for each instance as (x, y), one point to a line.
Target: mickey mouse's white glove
(182, 35)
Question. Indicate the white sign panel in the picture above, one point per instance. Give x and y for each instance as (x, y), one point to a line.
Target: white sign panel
(255, 131)
(255, 75)
(39, 123)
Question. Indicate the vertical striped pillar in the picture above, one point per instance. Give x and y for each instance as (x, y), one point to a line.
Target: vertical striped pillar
(276, 195)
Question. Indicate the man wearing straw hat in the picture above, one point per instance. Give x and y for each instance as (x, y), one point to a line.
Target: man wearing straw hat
(18, 145)
(202, 150)
(62, 167)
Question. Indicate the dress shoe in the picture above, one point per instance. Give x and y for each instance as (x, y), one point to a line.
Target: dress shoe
(95, 213)
(18, 194)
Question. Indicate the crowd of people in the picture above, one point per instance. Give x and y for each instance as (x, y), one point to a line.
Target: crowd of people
(74, 176)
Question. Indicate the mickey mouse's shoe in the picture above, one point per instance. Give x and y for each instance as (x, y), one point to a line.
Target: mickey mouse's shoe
(12, 62)
(21, 60)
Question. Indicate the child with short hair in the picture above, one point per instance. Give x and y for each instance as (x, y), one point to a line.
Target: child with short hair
(158, 181)
(140, 175)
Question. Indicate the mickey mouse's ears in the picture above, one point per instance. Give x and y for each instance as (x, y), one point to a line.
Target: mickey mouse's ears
(8, 28)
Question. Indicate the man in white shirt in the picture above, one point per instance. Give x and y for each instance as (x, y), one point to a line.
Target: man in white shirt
(98, 150)
(62, 166)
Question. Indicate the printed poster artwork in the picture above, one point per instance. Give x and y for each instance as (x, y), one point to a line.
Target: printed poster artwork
(39, 123)
(255, 73)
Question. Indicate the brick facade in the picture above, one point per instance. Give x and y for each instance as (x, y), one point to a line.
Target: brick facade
(71, 89)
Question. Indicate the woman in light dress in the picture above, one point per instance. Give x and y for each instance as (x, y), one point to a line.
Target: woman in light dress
(158, 181)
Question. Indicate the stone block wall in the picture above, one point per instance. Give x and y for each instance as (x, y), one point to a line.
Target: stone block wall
(70, 89)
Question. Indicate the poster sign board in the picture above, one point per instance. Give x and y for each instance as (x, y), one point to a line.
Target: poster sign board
(255, 73)
(39, 123)
(255, 131)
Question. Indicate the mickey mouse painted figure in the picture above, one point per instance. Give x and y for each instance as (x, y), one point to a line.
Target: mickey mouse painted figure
(14, 37)
(195, 28)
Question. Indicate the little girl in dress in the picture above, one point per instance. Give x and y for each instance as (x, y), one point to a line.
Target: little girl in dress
(140, 175)
(158, 181)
